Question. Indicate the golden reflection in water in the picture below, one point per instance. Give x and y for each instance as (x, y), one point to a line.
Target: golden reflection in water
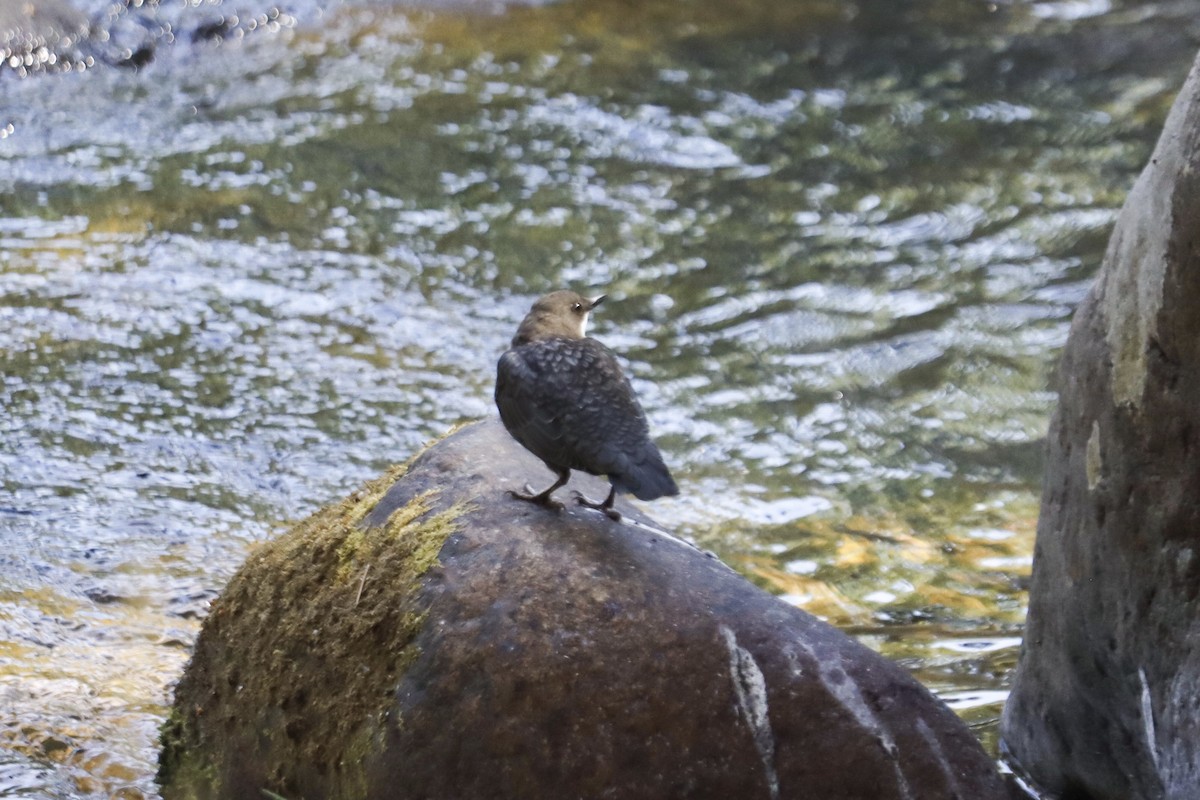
(853, 571)
(88, 698)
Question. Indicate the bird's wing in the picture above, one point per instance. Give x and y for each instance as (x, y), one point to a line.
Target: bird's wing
(568, 402)
(527, 408)
(615, 435)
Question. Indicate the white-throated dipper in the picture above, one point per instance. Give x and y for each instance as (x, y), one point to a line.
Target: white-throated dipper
(563, 396)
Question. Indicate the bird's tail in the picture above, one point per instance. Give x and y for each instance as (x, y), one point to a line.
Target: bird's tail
(646, 478)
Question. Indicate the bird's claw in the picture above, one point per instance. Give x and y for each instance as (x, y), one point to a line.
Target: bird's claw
(609, 511)
(541, 500)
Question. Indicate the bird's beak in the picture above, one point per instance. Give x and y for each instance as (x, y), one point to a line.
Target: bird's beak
(597, 300)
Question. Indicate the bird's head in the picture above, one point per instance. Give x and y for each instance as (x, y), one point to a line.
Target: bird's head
(562, 313)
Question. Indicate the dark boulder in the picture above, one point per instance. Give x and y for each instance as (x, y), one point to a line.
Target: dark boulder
(431, 637)
(1106, 700)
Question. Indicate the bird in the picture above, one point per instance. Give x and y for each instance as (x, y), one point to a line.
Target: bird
(563, 396)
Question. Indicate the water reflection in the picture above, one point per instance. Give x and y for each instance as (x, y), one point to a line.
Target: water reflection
(843, 243)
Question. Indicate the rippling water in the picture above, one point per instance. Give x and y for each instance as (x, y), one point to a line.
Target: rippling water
(843, 242)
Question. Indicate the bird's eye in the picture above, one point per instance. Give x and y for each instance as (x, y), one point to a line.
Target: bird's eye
(577, 307)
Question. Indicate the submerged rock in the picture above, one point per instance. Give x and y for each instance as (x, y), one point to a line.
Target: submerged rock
(41, 35)
(431, 637)
(60, 35)
(1106, 700)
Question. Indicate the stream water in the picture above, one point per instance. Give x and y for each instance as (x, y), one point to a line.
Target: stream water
(842, 243)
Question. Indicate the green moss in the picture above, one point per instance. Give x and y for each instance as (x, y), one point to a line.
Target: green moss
(358, 751)
(427, 537)
(297, 664)
(196, 779)
(348, 553)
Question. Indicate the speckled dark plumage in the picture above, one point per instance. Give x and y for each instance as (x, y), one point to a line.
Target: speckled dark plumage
(564, 397)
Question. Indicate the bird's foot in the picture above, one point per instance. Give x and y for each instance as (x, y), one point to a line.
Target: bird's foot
(543, 499)
(605, 505)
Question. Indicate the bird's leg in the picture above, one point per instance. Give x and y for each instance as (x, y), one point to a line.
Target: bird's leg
(543, 498)
(606, 506)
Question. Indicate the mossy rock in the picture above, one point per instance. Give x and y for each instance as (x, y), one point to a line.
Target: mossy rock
(438, 639)
(306, 633)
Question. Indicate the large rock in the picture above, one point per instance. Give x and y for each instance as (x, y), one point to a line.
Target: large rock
(439, 639)
(1106, 701)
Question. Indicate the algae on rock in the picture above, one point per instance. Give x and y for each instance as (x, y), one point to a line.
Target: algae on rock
(316, 696)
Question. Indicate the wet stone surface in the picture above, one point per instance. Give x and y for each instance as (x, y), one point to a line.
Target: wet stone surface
(485, 647)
